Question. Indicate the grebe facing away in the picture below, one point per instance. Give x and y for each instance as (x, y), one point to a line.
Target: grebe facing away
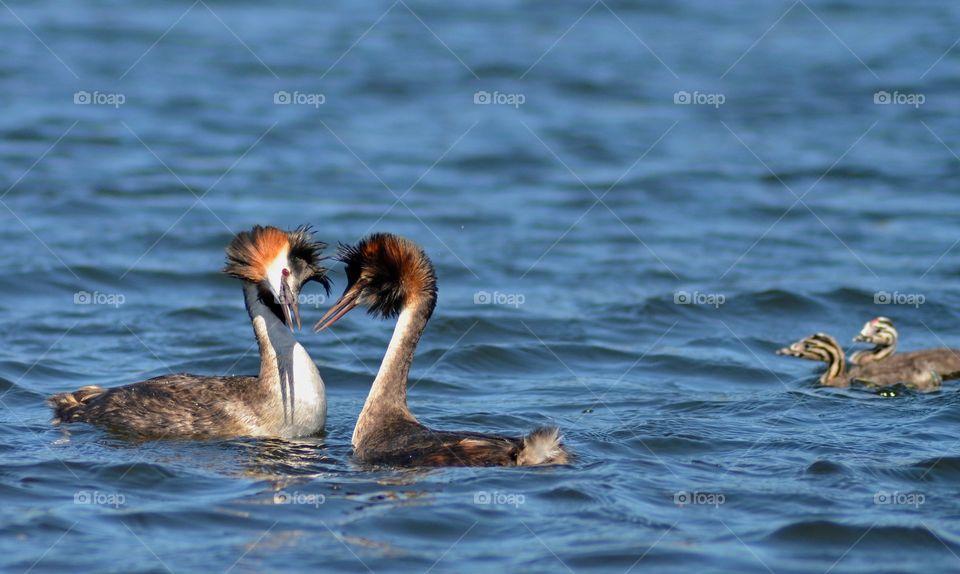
(394, 278)
(286, 400)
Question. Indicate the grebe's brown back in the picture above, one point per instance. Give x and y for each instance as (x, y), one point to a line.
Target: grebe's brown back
(393, 277)
(287, 399)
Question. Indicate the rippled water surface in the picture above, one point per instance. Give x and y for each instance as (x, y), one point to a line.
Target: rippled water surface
(582, 200)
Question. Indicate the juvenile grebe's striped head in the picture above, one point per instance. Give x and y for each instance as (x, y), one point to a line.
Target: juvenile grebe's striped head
(818, 347)
(279, 263)
(386, 273)
(879, 331)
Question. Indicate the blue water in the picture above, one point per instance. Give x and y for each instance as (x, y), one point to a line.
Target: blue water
(583, 199)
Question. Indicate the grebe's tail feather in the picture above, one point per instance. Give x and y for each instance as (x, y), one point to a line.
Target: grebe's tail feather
(542, 446)
(69, 407)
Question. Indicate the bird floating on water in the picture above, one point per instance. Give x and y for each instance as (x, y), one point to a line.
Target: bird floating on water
(919, 372)
(287, 399)
(393, 277)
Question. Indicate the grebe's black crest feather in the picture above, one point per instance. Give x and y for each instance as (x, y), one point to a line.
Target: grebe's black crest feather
(303, 247)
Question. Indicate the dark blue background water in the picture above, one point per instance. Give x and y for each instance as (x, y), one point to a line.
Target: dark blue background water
(596, 201)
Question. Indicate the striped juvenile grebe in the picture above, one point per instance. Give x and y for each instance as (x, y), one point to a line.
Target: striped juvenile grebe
(286, 400)
(880, 333)
(393, 277)
(913, 372)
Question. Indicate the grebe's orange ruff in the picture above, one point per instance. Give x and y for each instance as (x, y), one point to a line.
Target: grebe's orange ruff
(395, 278)
(287, 399)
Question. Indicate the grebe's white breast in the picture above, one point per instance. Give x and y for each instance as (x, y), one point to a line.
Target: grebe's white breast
(308, 413)
(300, 389)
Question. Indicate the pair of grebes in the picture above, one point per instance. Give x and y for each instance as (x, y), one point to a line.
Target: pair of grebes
(389, 275)
(878, 367)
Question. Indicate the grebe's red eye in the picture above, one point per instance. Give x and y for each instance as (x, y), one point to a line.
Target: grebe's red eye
(285, 272)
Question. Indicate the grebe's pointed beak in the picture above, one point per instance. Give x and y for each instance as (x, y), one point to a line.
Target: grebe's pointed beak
(289, 302)
(344, 305)
(791, 351)
(861, 338)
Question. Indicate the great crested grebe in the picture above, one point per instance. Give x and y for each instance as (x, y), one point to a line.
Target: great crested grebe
(914, 372)
(393, 277)
(880, 333)
(286, 400)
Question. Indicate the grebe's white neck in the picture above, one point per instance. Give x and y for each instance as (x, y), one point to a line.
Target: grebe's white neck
(388, 395)
(287, 370)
